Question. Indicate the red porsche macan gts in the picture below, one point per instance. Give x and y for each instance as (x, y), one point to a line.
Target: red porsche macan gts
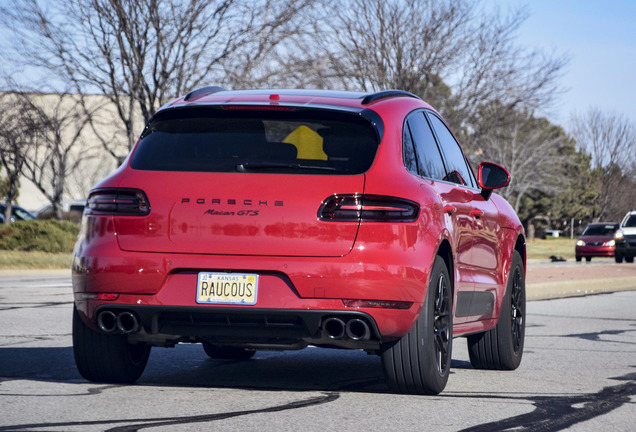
(278, 219)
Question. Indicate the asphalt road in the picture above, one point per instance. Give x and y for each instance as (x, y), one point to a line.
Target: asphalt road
(578, 373)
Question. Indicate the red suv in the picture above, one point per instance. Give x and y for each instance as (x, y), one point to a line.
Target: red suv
(278, 219)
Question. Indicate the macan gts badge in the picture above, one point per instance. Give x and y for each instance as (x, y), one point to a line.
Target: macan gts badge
(277, 219)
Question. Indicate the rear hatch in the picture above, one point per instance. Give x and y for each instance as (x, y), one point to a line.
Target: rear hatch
(246, 181)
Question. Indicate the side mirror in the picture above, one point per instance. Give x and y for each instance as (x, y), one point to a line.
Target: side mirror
(492, 176)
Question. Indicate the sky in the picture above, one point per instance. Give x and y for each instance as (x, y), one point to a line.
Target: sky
(599, 37)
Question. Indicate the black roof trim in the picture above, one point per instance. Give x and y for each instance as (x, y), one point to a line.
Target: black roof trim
(204, 91)
(386, 94)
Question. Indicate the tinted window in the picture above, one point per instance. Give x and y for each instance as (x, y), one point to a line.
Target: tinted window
(215, 140)
(429, 160)
(600, 230)
(408, 151)
(456, 165)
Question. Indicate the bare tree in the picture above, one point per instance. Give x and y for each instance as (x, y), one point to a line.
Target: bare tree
(142, 53)
(533, 150)
(16, 140)
(58, 124)
(610, 139)
(449, 52)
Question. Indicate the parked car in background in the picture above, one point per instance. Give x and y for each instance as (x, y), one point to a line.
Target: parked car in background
(277, 219)
(17, 213)
(71, 210)
(597, 240)
(625, 239)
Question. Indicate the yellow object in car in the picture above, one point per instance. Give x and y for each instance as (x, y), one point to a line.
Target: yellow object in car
(307, 142)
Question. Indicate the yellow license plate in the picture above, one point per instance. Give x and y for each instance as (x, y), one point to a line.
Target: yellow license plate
(227, 288)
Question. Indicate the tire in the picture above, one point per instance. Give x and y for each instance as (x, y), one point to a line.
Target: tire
(588, 259)
(419, 363)
(578, 258)
(227, 353)
(618, 258)
(629, 259)
(502, 346)
(106, 358)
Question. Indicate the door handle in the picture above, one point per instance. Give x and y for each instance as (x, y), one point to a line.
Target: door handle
(449, 209)
(476, 213)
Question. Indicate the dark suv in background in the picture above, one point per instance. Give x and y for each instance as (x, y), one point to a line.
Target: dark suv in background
(625, 239)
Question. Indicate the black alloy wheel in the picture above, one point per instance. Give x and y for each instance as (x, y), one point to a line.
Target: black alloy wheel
(517, 311)
(502, 346)
(442, 324)
(419, 363)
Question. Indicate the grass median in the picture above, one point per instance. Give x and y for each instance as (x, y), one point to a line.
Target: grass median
(552, 246)
(20, 260)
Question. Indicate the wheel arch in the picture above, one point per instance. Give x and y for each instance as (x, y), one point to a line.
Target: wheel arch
(520, 246)
(445, 251)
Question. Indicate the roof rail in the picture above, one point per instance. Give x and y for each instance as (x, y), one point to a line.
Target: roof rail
(203, 91)
(372, 97)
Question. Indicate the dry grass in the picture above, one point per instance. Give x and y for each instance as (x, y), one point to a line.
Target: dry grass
(14, 260)
(544, 248)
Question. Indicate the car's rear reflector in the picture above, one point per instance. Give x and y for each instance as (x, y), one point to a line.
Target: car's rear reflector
(368, 208)
(130, 202)
(378, 304)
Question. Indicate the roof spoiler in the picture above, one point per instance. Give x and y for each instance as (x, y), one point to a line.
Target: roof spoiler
(203, 91)
(372, 97)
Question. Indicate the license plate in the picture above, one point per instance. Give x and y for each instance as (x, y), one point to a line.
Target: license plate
(227, 288)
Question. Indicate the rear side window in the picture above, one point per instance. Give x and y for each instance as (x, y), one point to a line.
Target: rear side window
(458, 170)
(429, 160)
(218, 140)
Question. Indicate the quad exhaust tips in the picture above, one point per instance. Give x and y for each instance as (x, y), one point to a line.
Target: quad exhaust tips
(124, 322)
(354, 329)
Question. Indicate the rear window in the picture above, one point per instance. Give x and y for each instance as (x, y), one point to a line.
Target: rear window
(218, 140)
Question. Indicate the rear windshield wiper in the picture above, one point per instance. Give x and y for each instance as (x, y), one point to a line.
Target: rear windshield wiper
(249, 166)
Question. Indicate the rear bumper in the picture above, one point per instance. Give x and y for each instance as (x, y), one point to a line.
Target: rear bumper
(255, 328)
(160, 290)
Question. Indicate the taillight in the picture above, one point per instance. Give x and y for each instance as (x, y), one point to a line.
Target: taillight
(368, 208)
(126, 202)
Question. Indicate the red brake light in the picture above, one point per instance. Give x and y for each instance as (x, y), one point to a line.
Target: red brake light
(132, 202)
(258, 108)
(368, 208)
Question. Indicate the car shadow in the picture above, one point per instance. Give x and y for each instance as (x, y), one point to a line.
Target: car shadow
(186, 365)
(38, 364)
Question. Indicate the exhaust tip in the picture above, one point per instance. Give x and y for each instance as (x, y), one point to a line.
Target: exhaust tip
(358, 330)
(107, 321)
(334, 328)
(127, 323)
